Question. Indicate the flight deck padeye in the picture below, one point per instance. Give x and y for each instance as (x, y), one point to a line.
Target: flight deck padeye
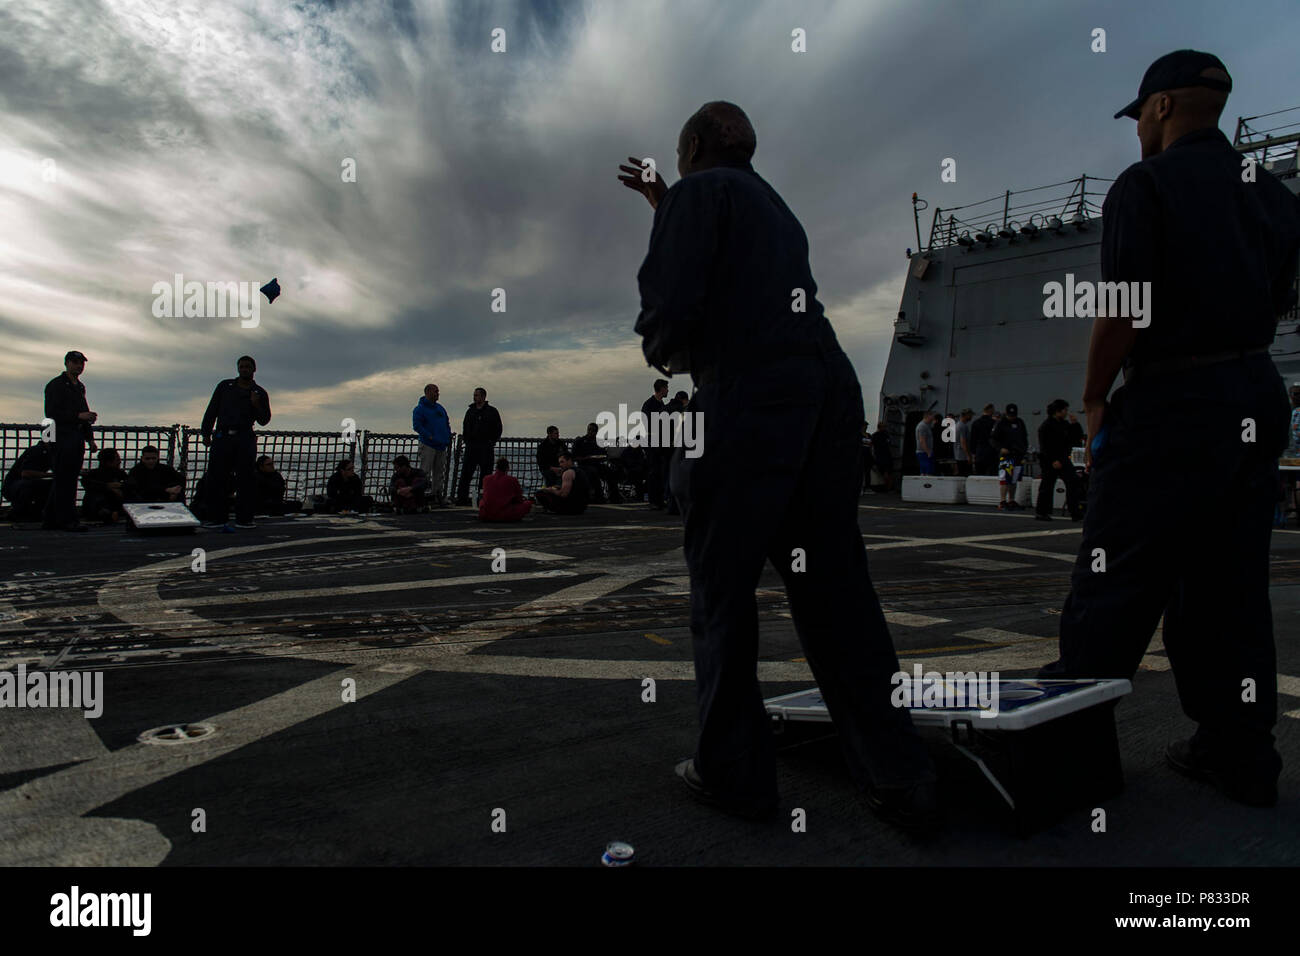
(1050, 747)
(164, 516)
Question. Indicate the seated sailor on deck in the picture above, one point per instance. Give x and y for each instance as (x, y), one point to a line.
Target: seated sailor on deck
(270, 489)
(503, 499)
(28, 482)
(104, 484)
(343, 492)
(407, 486)
(571, 495)
(150, 480)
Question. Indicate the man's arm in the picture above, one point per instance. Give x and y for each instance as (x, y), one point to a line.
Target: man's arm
(495, 428)
(567, 484)
(210, 416)
(674, 279)
(261, 405)
(1130, 244)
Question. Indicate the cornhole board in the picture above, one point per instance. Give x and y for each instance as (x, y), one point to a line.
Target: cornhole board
(934, 489)
(1079, 457)
(985, 490)
(1058, 493)
(1050, 747)
(160, 516)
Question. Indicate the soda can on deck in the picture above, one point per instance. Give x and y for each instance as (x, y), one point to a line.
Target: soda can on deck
(618, 854)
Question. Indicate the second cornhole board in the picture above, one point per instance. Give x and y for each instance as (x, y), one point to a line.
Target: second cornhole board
(160, 516)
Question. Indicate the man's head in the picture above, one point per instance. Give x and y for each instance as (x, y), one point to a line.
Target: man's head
(247, 367)
(503, 465)
(928, 417)
(265, 463)
(1012, 410)
(1295, 394)
(108, 458)
(401, 463)
(682, 397)
(149, 456)
(75, 363)
(988, 409)
(661, 388)
(1181, 92)
(431, 392)
(552, 432)
(719, 133)
(345, 467)
(967, 414)
(592, 428)
(1058, 408)
(480, 396)
(566, 460)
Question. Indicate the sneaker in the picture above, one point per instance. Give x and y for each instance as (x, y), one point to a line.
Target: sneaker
(1196, 764)
(245, 524)
(739, 808)
(914, 808)
(1002, 506)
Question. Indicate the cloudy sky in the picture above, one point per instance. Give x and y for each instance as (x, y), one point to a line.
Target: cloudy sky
(144, 138)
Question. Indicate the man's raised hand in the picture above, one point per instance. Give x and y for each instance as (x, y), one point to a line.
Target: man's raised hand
(633, 178)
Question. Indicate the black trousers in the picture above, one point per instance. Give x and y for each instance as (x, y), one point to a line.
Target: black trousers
(657, 464)
(69, 453)
(477, 456)
(229, 454)
(802, 493)
(1047, 488)
(29, 497)
(986, 463)
(1190, 543)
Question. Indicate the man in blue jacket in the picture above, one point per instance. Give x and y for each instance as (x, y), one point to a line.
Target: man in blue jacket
(430, 420)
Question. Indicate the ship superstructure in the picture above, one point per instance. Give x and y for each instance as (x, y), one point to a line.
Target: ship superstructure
(971, 327)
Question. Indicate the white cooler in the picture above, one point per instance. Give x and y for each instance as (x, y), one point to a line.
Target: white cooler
(1058, 495)
(934, 489)
(985, 490)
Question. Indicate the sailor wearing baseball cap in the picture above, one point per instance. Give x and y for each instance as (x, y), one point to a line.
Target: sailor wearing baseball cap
(1187, 536)
(65, 403)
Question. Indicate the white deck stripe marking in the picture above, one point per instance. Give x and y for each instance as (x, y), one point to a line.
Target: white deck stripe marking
(1288, 685)
(994, 635)
(76, 791)
(981, 564)
(908, 619)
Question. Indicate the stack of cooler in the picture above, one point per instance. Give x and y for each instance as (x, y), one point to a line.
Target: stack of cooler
(934, 489)
(986, 490)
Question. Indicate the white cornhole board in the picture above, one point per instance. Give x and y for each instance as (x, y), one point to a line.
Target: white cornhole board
(1079, 457)
(160, 516)
(1058, 493)
(1049, 742)
(985, 490)
(934, 489)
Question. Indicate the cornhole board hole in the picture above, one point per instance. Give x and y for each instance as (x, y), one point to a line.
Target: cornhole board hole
(936, 490)
(985, 490)
(160, 517)
(1058, 493)
(1049, 748)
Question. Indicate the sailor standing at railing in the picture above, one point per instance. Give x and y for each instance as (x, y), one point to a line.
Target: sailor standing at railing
(65, 404)
(236, 404)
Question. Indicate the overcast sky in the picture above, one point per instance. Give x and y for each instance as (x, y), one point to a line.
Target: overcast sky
(139, 140)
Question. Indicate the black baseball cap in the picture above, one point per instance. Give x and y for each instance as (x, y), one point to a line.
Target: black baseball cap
(1174, 71)
(1011, 408)
(74, 355)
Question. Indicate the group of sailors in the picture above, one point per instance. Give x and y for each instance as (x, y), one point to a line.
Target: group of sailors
(995, 444)
(42, 482)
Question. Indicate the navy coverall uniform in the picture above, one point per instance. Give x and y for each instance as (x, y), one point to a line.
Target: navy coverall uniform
(480, 431)
(1192, 542)
(725, 254)
(233, 449)
(64, 401)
